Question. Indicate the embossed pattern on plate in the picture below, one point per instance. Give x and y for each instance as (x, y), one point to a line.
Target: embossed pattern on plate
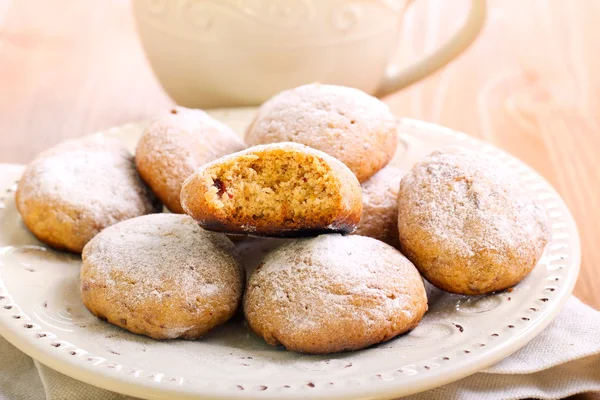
(42, 314)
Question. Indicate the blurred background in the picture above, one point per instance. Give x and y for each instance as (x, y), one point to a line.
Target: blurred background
(530, 84)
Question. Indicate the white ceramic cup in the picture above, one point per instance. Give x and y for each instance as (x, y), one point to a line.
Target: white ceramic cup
(222, 53)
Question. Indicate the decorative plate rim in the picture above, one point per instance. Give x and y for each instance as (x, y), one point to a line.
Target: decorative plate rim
(382, 385)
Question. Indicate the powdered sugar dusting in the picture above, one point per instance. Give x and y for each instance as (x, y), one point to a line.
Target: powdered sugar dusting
(161, 256)
(162, 267)
(308, 283)
(380, 206)
(470, 203)
(346, 123)
(381, 190)
(178, 142)
(92, 179)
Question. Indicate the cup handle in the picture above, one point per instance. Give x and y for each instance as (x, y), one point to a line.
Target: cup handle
(459, 42)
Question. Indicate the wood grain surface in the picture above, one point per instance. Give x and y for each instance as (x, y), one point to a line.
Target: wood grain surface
(530, 85)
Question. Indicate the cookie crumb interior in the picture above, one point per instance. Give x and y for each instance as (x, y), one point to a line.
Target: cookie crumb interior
(275, 187)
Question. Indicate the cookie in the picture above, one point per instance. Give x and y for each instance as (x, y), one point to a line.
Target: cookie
(173, 146)
(282, 189)
(333, 293)
(72, 191)
(380, 206)
(467, 224)
(346, 123)
(161, 276)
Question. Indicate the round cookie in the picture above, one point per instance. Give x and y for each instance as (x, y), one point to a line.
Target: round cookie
(72, 191)
(380, 206)
(346, 123)
(161, 276)
(173, 146)
(334, 293)
(467, 224)
(280, 189)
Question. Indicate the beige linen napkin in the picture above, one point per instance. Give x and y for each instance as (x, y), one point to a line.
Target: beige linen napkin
(563, 360)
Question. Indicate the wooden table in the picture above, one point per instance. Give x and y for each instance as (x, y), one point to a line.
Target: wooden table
(530, 84)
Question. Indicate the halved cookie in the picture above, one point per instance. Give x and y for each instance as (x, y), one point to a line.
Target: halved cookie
(281, 189)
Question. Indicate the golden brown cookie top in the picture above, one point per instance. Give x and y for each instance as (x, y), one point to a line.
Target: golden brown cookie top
(86, 173)
(207, 138)
(381, 190)
(344, 122)
(469, 203)
(332, 293)
(163, 258)
(177, 143)
(380, 206)
(85, 185)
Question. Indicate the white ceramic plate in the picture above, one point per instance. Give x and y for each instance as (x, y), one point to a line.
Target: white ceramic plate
(41, 313)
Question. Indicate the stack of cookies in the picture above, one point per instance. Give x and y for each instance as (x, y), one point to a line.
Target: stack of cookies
(359, 234)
